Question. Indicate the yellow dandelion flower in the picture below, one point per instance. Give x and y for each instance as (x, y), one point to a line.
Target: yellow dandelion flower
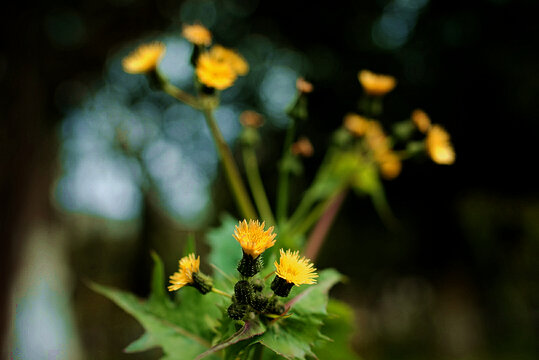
(304, 86)
(302, 147)
(188, 265)
(295, 269)
(252, 237)
(439, 146)
(231, 57)
(376, 84)
(197, 34)
(214, 73)
(356, 124)
(421, 120)
(390, 164)
(144, 59)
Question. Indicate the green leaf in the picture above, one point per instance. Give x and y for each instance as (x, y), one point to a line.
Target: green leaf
(248, 331)
(183, 328)
(158, 279)
(294, 337)
(339, 327)
(225, 250)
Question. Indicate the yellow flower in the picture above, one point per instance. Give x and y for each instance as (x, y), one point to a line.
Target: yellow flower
(214, 73)
(184, 276)
(302, 147)
(144, 59)
(439, 146)
(356, 124)
(252, 119)
(421, 120)
(295, 269)
(235, 60)
(252, 237)
(376, 138)
(197, 34)
(376, 84)
(304, 86)
(390, 164)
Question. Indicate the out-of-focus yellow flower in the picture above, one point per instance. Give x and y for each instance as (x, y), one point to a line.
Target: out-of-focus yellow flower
(252, 119)
(421, 120)
(231, 57)
(376, 84)
(356, 124)
(302, 147)
(390, 164)
(252, 237)
(188, 265)
(295, 269)
(197, 34)
(214, 73)
(144, 59)
(439, 146)
(375, 137)
(304, 86)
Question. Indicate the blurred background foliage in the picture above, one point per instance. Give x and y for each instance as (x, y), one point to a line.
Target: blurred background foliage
(97, 169)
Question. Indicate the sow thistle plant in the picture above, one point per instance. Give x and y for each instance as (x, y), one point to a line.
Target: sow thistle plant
(261, 303)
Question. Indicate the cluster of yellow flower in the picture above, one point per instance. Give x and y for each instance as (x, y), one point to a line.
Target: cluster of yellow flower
(437, 141)
(216, 67)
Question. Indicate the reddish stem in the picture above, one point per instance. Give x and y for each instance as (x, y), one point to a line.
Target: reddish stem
(318, 235)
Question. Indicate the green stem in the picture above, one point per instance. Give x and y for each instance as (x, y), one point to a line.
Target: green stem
(257, 187)
(314, 215)
(220, 292)
(236, 183)
(176, 92)
(282, 189)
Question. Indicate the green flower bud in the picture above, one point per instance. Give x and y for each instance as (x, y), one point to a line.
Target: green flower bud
(236, 311)
(258, 285)
(274, 306)
(243, 292)
(281, 287)
(259, 302)
(248, 266)
(202, 283)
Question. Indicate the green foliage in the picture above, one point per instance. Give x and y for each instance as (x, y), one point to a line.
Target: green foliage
(183, 328)
(225, 250)
(196, 326)
(339, 326)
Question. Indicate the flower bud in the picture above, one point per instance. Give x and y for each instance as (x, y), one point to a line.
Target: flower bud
(202, 283)
(236, 311)
(258, 285)
(275, 307)
(259, 302)
(281, 287)
(243, 292)
(248, 266)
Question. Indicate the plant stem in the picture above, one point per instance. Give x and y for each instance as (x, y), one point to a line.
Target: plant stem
(178, 93)
(318, 235)
(236, 183)
(314, 215)
(257, 187)
(282, 188)
(217, 291)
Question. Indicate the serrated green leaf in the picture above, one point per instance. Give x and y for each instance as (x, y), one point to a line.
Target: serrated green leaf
(339, 327)
(294, 337)
(143, 343)
(178, 341)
